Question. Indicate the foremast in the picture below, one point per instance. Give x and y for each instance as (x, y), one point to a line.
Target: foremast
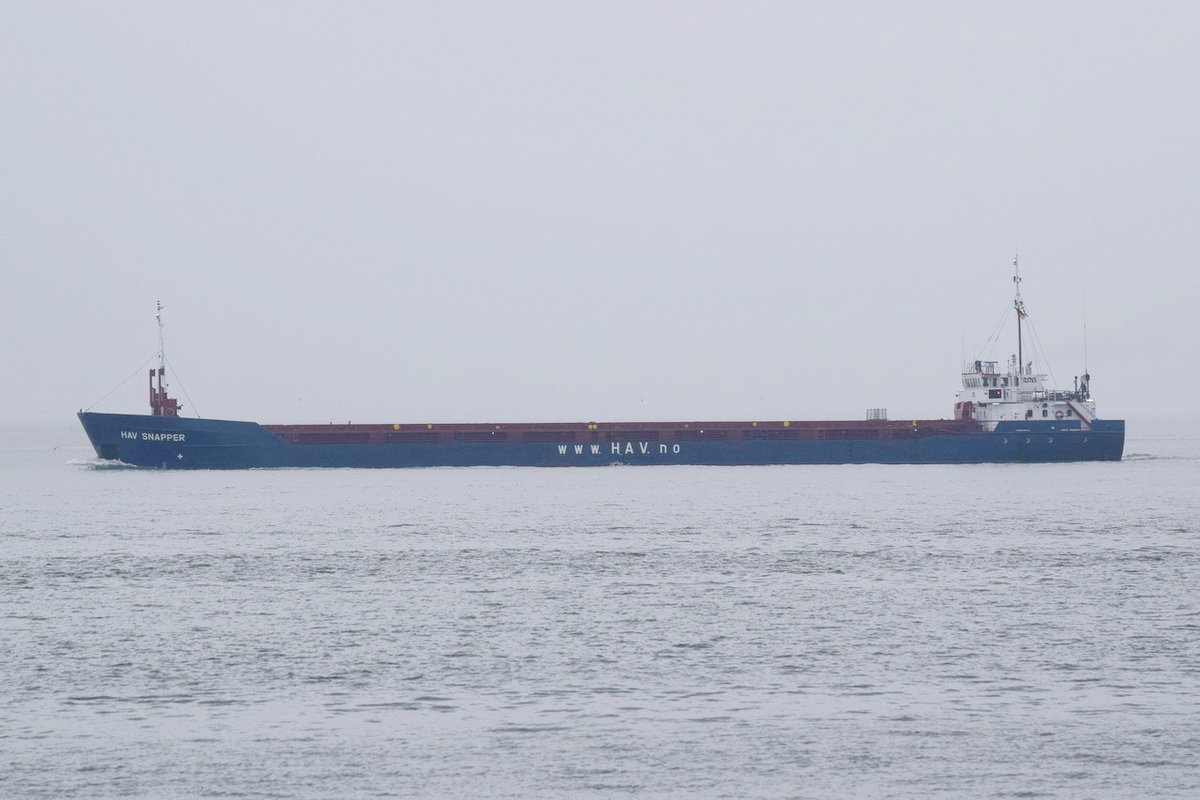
(161, 404)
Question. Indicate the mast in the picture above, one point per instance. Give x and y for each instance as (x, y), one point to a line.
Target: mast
(1019, 305)
(162, 358)
(161, 404)
(1085, 389)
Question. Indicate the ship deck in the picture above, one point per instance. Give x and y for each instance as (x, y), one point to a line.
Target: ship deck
(590, 432)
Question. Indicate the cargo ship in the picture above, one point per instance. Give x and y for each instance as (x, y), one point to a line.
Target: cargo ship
(1000, 415)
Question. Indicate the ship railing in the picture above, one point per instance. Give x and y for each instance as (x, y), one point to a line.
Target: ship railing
(1053, 395)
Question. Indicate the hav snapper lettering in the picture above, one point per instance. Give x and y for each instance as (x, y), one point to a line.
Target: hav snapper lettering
(147, 436)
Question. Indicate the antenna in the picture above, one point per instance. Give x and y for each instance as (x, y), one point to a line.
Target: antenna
(1019, 305)
(1085, 353)
(161, 404)
(1085, 386)
(962, 338)
(162, 358)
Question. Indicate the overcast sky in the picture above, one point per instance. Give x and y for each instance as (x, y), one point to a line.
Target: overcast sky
(559, 211)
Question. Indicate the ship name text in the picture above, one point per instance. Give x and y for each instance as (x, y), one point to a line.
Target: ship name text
(146, 436)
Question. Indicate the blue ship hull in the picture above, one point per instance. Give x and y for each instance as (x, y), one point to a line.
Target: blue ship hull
(170, 442)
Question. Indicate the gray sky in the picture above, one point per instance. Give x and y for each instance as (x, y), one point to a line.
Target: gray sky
(400, 212)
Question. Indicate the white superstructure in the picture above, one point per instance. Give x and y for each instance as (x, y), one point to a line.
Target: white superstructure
(990, 396)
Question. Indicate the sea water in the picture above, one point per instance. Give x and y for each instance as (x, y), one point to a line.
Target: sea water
(808, 631)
